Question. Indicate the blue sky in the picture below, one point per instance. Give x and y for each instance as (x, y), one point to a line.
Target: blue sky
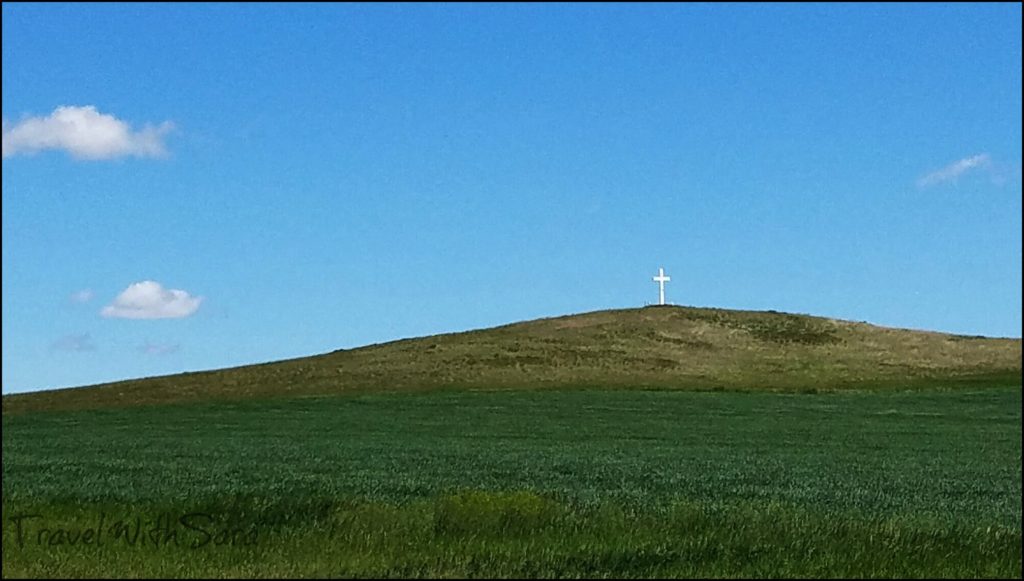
(308, 178)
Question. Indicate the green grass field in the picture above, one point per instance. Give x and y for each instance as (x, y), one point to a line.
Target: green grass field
(525, 483)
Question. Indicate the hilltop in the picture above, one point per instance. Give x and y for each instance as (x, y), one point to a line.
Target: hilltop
(652, 347)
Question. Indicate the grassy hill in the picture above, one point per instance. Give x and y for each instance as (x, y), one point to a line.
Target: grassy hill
(663, 347)
(427, 457)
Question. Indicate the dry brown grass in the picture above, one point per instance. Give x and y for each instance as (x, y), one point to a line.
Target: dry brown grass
(662, 347)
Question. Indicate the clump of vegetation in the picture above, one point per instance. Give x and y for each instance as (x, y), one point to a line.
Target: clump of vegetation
(502, 513)
(791, 329)
(769, 326)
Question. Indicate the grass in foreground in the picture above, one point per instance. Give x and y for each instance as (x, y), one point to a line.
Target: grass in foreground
(563, 483)
(487, 534)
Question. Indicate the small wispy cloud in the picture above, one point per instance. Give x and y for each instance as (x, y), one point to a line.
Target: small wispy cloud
(85, 133)
(953, 171)
(73, 343)
(150, 300)
(159, 348)
(83, 296)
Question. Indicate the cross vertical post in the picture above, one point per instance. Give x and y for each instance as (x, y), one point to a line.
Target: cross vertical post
(661, 279)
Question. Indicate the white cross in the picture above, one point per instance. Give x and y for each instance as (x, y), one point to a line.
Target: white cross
(661, 279)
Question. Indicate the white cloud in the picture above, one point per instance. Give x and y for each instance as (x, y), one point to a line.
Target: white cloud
(85, 133)
(81, 342)
(954, 170)
(159, 348)
(83, 296)
(150, 300)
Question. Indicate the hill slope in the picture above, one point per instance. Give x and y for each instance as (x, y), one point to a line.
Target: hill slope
(670, 347)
